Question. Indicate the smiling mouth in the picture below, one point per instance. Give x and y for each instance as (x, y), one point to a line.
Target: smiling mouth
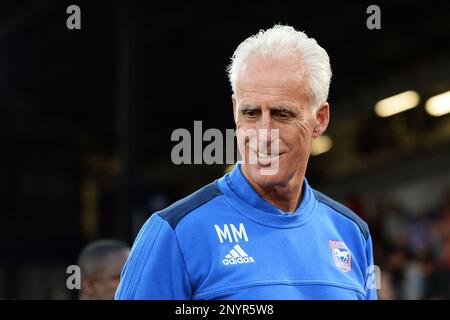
(265, 159)
(266, 155)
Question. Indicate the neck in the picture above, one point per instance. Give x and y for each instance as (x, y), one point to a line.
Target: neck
(286, 197)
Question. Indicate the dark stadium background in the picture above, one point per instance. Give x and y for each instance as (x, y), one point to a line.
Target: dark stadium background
(86, 118)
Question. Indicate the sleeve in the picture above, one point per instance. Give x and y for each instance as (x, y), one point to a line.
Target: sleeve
(155, 269)
(371, 273)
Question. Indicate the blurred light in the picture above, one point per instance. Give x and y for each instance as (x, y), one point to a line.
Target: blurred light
(396, 104)
(321, 145)
(438, 105)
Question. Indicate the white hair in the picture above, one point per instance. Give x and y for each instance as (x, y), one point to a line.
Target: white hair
(284, 40)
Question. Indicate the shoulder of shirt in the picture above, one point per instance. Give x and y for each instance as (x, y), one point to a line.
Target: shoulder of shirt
(336, 206)
(178, 210)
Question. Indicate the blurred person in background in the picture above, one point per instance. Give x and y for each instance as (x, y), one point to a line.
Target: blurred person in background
(101, 263)
(439, 286)
(412, 249)
(387, 290)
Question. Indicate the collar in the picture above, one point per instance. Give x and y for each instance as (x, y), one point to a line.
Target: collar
(243, 197)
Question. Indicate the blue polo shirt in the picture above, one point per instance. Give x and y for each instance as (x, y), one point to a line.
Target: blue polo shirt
(226, 242)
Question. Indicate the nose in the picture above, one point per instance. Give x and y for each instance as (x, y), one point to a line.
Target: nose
(265, 129)
(265, 121)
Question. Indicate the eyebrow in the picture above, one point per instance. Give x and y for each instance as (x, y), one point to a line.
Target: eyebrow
(248, 107)
(283, 108)
(278, 108)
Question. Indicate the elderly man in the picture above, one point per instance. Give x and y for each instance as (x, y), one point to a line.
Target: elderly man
(257, 233)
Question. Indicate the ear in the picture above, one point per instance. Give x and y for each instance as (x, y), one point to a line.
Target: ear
(322, 120)
(233, 98)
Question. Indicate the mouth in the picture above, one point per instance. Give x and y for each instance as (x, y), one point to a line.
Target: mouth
(265, 155)
(265, 159)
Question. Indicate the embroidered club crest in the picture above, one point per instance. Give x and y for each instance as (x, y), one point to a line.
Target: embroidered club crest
(341, 255)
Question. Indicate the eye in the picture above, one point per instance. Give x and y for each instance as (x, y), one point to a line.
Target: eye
(284, 115)
(250, 113)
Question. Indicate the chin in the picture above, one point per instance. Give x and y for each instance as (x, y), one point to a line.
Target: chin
(278, 178)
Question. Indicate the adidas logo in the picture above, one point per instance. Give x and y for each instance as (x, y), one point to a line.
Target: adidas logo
(237, 256)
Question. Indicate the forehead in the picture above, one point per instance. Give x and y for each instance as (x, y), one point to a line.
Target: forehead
(115, 261)
(272, 78)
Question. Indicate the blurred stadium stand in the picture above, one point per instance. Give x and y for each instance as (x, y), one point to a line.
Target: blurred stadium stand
(86, 118)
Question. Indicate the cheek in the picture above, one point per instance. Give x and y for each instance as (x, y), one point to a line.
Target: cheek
(243, 123)
(298, 133)
(113, 284)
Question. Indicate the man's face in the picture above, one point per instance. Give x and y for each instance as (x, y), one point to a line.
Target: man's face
(271, 93)
(104, 285)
